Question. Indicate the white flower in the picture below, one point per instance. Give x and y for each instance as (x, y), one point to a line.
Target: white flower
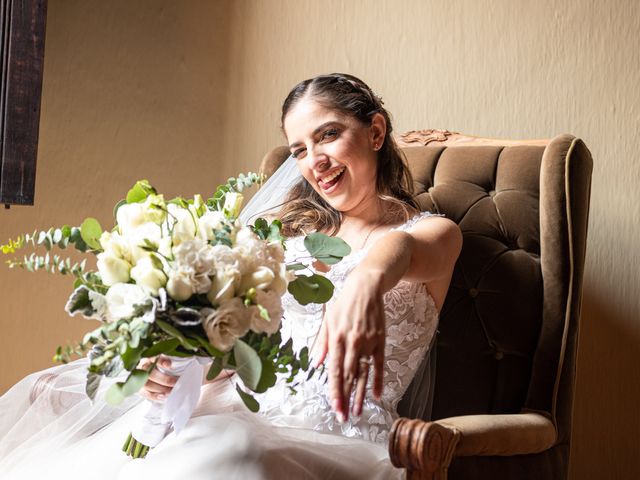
(272, 303)
(208, 223)
(181, 222)
(130, 216)
(192, 269)
(226, 324)
(224, 284)
(155, 209)
(232, 204)
(113, 244)
(260, 279)
(148, 276)
(113, 269)
(137, 236)
(179, 285)
(122, 298)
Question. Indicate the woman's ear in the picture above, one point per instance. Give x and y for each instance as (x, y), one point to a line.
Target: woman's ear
(378, 130)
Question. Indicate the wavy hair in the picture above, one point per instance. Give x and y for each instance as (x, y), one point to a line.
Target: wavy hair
(305, 210)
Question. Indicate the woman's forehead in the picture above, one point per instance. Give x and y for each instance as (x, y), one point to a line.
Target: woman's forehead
(307, 115)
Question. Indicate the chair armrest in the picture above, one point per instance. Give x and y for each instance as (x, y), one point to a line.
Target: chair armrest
(428, 447)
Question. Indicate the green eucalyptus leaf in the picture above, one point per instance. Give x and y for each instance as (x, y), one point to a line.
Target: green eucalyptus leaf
(329, 250)
(267, 378)
(121, 390)
(90, 231)
(162, 346)
(215, 369)
(248, 364)
(250, 402)
(311, 289)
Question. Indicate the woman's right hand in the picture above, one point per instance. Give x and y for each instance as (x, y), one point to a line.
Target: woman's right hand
(159, 384)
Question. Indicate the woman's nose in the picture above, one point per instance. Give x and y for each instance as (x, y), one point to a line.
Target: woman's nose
(317, 159)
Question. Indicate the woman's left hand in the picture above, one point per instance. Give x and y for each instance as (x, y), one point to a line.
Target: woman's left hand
(353, 331)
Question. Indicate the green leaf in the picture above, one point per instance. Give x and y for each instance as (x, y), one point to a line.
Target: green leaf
(248, 364)
(93, 382)
(140, 191)
(250, 402)
(329, 250)
(311, 289)
(215, 369)
(162, 346)
(121, 390)
(79, 301)
(131, 357)
(174, 332)
(304, 358)
(90, 231)
(296, 266)
(204, 343)
(268, 377)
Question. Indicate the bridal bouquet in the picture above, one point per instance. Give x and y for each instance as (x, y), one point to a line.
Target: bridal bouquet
(182, 278)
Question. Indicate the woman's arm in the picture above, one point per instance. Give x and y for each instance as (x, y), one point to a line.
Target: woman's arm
(355, 324)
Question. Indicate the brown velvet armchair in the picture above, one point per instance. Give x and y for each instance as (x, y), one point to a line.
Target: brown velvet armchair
(507, 341)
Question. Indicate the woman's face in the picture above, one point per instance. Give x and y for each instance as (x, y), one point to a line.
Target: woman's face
(336, 154)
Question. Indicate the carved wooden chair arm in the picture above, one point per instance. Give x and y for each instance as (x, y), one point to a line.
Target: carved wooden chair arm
(426, 449)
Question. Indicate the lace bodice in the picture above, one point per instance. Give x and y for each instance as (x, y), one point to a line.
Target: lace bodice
(411, 322)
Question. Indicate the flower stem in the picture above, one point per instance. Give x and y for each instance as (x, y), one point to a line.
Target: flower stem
(134, 448)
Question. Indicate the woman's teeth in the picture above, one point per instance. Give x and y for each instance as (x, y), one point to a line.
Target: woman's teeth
(332, 176)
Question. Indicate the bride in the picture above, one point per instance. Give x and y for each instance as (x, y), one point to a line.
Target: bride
(372, 337)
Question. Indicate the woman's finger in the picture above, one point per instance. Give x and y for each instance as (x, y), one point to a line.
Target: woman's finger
(336, 377)
(378, 367)
(361, 388)
(351, 359)
(162, 378)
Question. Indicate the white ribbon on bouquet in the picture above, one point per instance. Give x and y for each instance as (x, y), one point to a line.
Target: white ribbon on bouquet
(175, 411)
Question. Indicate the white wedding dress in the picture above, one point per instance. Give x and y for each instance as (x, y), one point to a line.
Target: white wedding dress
(49, 429)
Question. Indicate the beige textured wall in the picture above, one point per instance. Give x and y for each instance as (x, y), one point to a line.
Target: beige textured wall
(154, 88)
(131, 90)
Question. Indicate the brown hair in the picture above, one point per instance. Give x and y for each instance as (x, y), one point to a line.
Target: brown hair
(304, 209)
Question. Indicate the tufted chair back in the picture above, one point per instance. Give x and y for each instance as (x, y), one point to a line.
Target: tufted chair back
(508, 329)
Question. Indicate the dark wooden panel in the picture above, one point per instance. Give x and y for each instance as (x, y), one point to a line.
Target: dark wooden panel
(22, 37)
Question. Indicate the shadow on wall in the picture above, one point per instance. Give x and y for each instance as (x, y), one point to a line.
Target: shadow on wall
(607, 389)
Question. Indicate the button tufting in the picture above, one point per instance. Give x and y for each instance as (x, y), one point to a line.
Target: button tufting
(473, 292)
(499, 355)
(492, 193)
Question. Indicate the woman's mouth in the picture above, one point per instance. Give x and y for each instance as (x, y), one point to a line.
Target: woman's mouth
(332, 179)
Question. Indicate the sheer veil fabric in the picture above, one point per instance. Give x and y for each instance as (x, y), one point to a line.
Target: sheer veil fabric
(49, 428)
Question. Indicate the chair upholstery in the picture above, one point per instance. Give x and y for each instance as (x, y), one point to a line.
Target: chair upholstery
(507, 340)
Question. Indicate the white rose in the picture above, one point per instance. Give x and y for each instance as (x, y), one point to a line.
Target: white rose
(148, 276)
(272, 303)
(130, 216)
(122, 298)
(179, 285)
(232, 204)
(224, 284)
(113, 244)
(155, 209)
(281, 282)
(226, 324)
(209, 222)
(181, 223)
(260, 279)
(137, 236)
(113, 269)
(276, 251)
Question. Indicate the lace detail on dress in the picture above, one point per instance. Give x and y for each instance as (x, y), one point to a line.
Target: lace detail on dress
(411, 321)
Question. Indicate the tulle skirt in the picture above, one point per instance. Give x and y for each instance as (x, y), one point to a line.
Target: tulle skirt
(49, 429)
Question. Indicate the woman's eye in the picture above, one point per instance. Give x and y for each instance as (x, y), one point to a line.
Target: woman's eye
(298, 153)
(330, 134)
